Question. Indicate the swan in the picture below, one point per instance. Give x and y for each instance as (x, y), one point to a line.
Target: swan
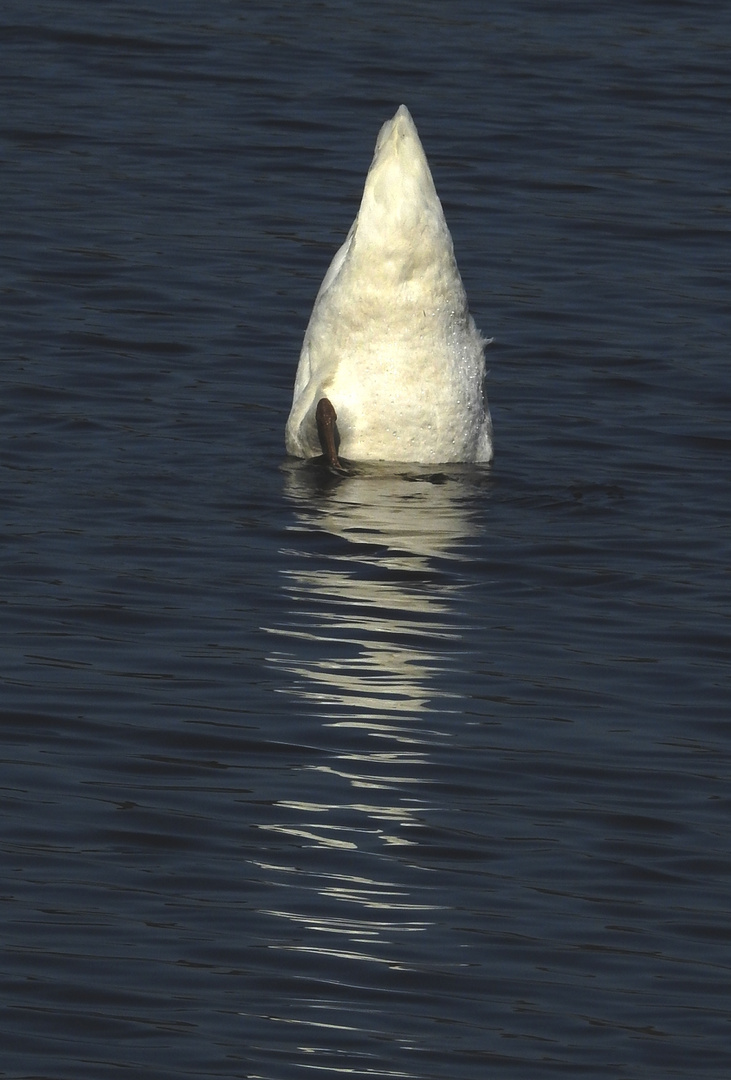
(392, 365)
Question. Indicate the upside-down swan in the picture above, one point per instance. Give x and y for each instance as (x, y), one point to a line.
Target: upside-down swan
(392, 364)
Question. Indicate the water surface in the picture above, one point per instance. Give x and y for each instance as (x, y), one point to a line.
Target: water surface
(424, 772)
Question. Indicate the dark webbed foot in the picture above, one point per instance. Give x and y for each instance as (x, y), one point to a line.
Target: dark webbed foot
(327, 432)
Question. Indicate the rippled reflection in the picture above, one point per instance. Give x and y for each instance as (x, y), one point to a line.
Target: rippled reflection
(367, 656)
(370, 629)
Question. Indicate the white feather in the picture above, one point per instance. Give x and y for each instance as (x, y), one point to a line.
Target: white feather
(390, 340)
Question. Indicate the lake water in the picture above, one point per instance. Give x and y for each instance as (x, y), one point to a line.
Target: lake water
(422, 773)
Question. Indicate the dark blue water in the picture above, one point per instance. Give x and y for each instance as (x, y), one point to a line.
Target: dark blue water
(423, 773)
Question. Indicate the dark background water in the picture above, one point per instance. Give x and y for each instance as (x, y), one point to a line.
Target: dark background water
(420, 774)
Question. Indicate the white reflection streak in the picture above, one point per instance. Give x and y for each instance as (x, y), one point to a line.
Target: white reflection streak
(365, 638)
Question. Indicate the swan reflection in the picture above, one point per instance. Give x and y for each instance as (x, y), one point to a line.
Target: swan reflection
(366, 654)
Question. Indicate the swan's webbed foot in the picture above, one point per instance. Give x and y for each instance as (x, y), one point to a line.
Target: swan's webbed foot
(327, 432)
